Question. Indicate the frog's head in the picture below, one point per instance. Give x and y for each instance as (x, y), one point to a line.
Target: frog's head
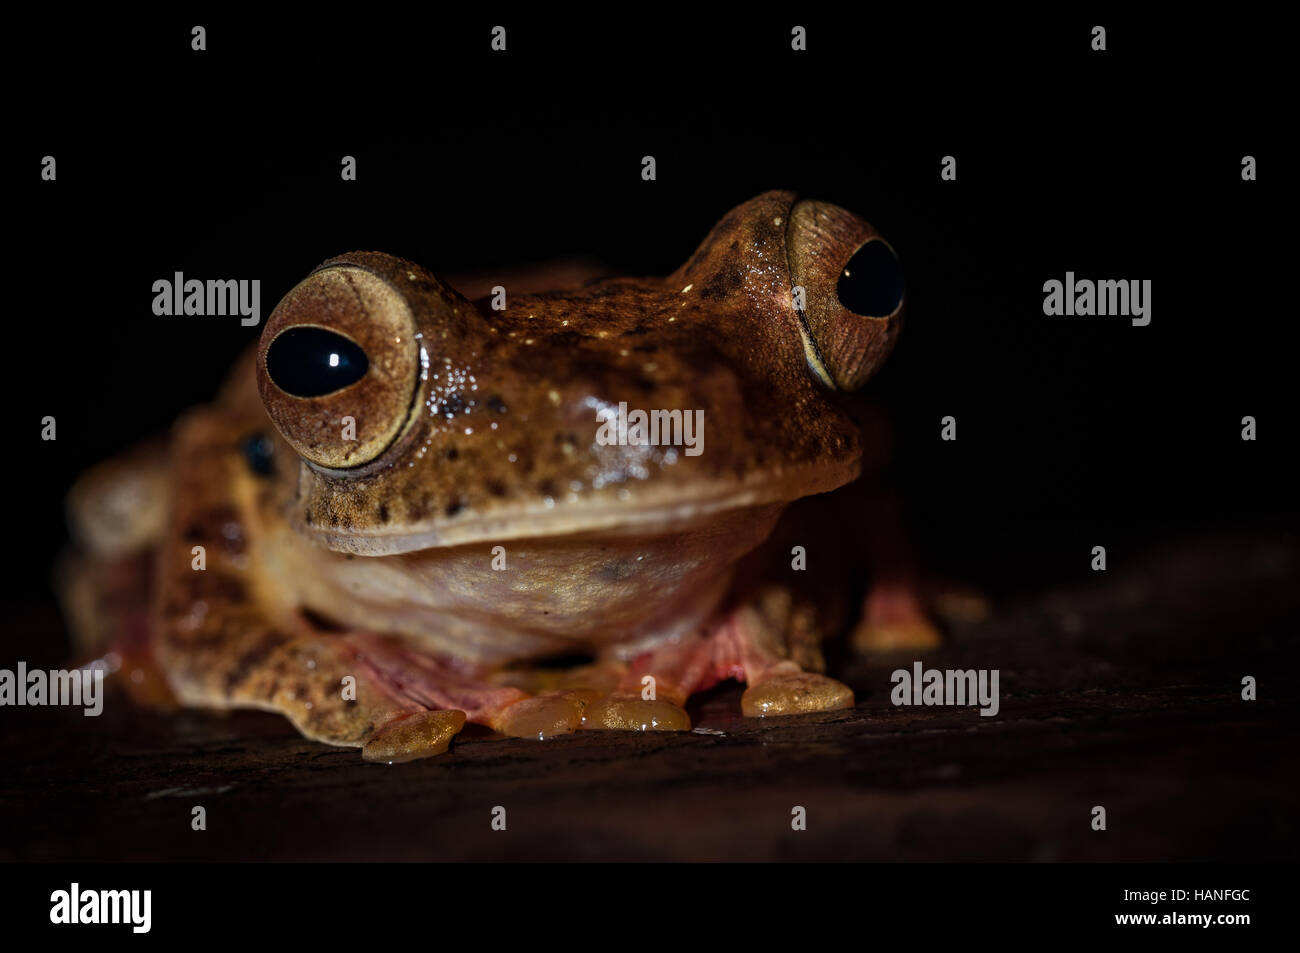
(423, 419)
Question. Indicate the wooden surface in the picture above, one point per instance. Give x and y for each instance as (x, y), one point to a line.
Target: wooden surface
(1121, 689)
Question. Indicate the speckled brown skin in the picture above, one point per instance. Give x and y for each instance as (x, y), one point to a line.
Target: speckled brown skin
(366, 564)
(720, 334)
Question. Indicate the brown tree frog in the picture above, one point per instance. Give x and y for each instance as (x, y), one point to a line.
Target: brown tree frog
(398, 507)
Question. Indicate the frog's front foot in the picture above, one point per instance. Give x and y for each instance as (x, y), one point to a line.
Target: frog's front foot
(411, 736)
(542, 716)
(629, 711)
(600, 696)
(554, 713)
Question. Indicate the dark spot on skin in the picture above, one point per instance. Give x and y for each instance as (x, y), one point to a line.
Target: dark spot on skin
(308, 518)
(248, 663)
(417, 509)
(722, 284)
(383, 512)
(547, 487)
(563, 339)
(497, 405)
(454, 507)
(645, 385)
(258, 454)
(637, 331)
(614, 572)
(453, 404)
(496, 487)
(452, 453)
(733, 246)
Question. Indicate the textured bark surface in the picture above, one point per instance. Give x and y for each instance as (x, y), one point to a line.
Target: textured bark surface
(1120, 690)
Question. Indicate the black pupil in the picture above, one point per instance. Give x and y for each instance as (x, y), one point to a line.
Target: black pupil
(309, 362)
(872, 282)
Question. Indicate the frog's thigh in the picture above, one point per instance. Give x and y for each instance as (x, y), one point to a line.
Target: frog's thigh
(233, 658)
(222, 653)
(217, 644)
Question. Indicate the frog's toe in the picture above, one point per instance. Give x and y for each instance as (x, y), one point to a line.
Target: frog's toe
(543, 716)
(410, 736)
(794, 694)
(893, 620)
(629, 712)
(957, 603)
(896, 635)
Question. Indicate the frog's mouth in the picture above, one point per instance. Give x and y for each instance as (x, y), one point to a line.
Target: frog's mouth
(650, 511)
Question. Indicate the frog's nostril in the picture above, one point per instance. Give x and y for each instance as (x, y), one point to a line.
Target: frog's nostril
(872, 282)
(312, 362)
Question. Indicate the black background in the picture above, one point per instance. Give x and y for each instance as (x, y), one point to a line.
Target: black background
(1073, 432)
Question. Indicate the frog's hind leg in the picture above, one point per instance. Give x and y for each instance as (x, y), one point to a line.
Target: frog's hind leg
(894, 616)
(223, 639)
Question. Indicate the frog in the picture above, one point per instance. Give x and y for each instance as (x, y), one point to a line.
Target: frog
(409, 509)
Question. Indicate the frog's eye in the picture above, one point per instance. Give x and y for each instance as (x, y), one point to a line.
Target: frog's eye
(853, 292)
(871, 283)
(313, 362)
(338, 366)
